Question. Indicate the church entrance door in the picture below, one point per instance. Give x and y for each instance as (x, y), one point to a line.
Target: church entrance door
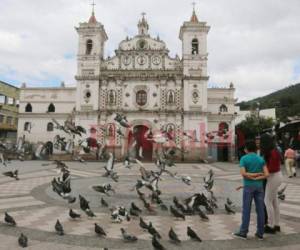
(142, 143)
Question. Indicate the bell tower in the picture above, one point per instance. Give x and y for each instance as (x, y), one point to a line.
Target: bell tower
(92, 38)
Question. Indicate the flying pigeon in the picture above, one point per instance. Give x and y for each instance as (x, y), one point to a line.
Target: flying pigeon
(12, 174)
(127, 237)
(99, 230)
(59, 228)
(23, 240)
(9, 219)
(173, 236)
(191, 233)
(122, 120)
(73, 215)
(176, 213)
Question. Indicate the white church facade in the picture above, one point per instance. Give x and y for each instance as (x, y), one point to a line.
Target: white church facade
(141, 81)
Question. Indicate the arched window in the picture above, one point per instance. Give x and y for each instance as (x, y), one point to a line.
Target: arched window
(195, 46)
(28, 108)
(27, 126)
(51, 108)
(89, 47)
(223, 108)
(50, 127)
(141, 97)
(111, 97)
(171, 97)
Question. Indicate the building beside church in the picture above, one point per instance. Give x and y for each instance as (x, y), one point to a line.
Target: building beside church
(142, 81)
(9, 104)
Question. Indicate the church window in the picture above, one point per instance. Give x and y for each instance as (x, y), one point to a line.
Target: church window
(223, 108)
(28, 108)
(171, 97)
(51, 107)
(195, 46)
(50, 127)
(89, 46)
(141, 97)
(27, 126)
(111, 97)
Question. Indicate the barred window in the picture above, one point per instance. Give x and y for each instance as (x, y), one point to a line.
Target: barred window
(223, 108)
(28, 108)
(141, 97)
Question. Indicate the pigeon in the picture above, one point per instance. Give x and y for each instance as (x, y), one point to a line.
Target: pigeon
(23, 240)
(84, 204)
(173, 236)
(176, 213)
(122, 120)
(229, 202)
(148, 206)
(12, 174)
(73, 215)
(104, 203)
(229, 209)
(143, 224)
(90, 213)
(9, 219)
(133, 212)
(156, 244)
(178, 204)
(127, 237)
(153, 231)
(186, 180)
(99, 230)
(202, 215)
(135, 207)
(163, 207)
(191, 233)
(105, 189)
(281, 194)
(59, 228)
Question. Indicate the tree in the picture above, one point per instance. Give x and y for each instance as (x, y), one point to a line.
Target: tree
(254, 125)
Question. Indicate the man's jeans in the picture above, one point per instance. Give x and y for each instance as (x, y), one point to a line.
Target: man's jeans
(250, 193)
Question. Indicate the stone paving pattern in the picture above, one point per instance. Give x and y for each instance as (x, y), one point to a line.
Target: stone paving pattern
(36, 208)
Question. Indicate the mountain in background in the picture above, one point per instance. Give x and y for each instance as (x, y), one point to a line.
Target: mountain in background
(286, 101)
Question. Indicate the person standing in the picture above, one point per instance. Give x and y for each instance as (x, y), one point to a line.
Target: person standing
(274, 180)
(253, 170)
(289, 157)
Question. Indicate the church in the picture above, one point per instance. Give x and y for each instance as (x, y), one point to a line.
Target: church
(143, 82)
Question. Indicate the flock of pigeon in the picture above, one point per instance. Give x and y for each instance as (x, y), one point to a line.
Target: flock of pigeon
(147, 189)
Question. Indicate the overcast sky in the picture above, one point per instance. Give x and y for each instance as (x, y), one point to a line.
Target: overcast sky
(253, 43)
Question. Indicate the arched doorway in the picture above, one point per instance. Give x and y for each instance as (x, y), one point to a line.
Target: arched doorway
(138, 133)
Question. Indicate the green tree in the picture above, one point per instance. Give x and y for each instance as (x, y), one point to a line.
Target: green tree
(254, 125)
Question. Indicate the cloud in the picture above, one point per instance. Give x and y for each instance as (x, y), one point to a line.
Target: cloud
(252, 43)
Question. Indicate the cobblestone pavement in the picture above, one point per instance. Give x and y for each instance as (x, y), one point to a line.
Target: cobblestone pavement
(36, 208)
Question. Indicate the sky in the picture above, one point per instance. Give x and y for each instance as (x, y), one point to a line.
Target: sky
(253, 43)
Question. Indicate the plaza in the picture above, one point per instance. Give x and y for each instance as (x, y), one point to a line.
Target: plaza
(35, 207)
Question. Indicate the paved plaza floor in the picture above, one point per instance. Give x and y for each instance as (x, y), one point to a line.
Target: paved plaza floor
(36, 208)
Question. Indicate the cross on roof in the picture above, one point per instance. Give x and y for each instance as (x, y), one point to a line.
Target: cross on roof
(194, 4)
(93, 4)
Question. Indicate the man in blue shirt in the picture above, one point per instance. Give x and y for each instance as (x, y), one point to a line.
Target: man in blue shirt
(253, 169)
